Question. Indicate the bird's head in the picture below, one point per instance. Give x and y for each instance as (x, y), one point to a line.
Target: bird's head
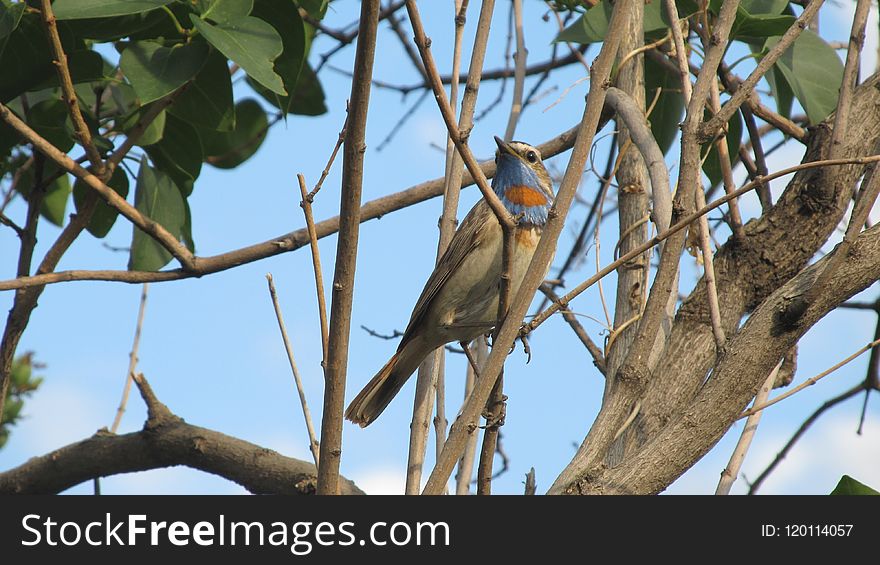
(521, 181)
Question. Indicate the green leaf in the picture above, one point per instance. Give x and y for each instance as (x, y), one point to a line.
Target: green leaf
(178, 154)
(55, 195)
(153, 133)
(9, 138)
(156, 71)
(113, 28)
(781, 91)
(49, 119)
(592, 26)
(755, 7)
(850, 486)
(228, 11)
(55, 201)
(9, 18)
(104, 216)
(186, 235)
(228, 150)
(307, 99)
(27, 65)
(85, 66)
(208, 100)
(669, 109)
(157, 197)
(79, 9)
(712, 166)
(814, 71)
(250, 42)
(315, 8)
(747, 26)
(285, 18)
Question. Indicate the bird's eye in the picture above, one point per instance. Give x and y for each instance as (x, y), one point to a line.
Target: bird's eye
(532, 157)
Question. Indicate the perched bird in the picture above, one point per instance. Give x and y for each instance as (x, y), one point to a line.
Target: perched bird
(460, 299)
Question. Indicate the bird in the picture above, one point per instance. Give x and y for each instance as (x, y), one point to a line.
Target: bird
(460, 299)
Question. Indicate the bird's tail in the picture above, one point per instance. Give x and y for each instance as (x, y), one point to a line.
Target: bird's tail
(372, 400)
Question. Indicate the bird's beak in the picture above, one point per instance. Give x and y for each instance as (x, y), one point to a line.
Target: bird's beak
(504, 147)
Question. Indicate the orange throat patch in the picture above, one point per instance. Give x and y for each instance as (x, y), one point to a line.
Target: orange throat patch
(525, 196)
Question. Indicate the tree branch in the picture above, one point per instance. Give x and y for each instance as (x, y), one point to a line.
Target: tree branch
(284, 243)
(165, 441)
(346, 252)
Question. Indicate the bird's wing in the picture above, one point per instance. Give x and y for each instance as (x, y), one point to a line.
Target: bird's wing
(471, 234)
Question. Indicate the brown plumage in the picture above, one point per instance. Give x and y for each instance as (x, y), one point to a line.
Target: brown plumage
(460, 299)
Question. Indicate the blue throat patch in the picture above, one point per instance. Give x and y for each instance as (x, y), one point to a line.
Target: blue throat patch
(515, 178)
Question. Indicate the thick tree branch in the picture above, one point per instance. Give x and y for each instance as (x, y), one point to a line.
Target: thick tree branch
(165, 441)
(752, 353)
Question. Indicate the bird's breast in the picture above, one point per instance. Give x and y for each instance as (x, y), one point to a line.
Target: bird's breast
(524, 195)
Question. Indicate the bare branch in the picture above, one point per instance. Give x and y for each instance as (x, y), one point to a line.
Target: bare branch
(756, 484)
(284, 243)
(132, 360)
(79, 125)
(306, 204)
(811, 381)
(165, 441)
(728, 476)
(519, 58)
(346, 252)
(314, 446)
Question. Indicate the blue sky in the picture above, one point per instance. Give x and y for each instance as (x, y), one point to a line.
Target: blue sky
(211, 349)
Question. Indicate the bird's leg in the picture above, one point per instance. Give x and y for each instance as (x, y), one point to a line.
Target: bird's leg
(526, 349)
(470, 357)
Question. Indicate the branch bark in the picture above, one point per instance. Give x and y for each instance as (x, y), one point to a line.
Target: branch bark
(165, 441)
(346, 252)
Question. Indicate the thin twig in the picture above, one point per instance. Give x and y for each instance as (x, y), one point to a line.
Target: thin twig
(306, 204)
(579, 331)
(519, 59)
(756, 484)
(314, 446)
(811, 381)
(723, 154)
(476, 356)
(731, 472)
(709, 272)
(83, 134)
(132, 360)
(458, 137)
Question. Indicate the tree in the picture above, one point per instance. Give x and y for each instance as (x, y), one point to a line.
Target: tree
(678, 372)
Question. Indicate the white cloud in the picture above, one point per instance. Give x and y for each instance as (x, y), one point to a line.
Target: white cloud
(380, 480)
